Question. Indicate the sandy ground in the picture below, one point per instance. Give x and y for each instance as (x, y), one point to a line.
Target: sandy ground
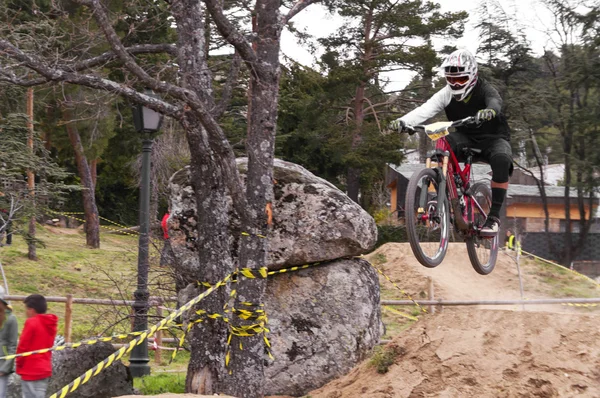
(544, 351)
(475, 353)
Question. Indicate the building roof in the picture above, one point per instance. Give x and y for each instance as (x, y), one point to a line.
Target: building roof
(479, 171)
(482, 172)
(553, 173)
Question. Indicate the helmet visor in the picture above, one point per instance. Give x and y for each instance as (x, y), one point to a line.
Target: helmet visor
(457, 80)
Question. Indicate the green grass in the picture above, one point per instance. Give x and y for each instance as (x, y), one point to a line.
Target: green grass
(558, 281)
(161, 383)
(67, 266)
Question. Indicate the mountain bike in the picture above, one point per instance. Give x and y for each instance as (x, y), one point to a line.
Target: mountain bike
(443, 195)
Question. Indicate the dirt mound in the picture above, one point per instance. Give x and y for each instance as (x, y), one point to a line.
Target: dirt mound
(474, 353)
(455, 278)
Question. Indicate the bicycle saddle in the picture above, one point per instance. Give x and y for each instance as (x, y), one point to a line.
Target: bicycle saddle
(471, 151)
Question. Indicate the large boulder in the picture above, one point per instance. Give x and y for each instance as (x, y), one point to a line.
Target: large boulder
(312, 220)
(70, 364)
(13, 388)
(323, 322)
(67, 365)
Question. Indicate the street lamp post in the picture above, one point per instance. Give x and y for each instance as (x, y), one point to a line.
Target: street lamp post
(147, 122)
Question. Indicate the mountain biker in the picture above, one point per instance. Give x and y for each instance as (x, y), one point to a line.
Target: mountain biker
(467, 94)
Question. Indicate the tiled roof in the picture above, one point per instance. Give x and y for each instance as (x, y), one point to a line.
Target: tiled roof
(479, 171)
(482, 171)
(533, 190)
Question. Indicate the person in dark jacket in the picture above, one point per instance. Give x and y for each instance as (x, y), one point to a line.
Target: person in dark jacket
(9, 335)
(467, 94)
(38, 332)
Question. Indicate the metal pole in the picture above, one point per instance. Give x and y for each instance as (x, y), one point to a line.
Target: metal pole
(518, 251)
(139, 355)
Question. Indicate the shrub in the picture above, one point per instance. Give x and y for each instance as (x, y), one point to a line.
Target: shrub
(385, 356)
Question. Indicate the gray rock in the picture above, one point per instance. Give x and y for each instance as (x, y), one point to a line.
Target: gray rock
(312, 220)
(70, 364)
(323, 322)
(13, 389)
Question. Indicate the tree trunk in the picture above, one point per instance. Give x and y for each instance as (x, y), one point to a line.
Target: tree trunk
(353, 176)
(31, 247)
(94, 171)
(92, 222)
(208, 339)
(247, 366)
(540, 183)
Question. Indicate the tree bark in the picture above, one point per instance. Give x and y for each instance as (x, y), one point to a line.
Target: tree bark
(92, 221)
(209, 176)
(94, 171)
(247, 366)
(208, 339)
(31, 247)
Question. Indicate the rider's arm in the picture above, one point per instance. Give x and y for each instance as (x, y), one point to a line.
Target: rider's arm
(492, 98)
(429, 109)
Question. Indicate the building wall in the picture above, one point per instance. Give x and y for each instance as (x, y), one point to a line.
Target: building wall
(536, 243)
(534, 210)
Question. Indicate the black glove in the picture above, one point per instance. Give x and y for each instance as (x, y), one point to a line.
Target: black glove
(485, 115)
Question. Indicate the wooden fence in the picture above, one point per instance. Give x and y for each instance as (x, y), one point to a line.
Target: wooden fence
(69, 300)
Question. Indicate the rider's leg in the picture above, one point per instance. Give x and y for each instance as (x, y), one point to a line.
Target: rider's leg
(500, 160)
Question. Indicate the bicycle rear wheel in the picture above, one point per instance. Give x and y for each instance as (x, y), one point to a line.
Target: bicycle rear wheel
(483, 252)
(427, 218)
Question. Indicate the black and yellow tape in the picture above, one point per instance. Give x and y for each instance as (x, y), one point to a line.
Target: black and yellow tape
(84, 378)
(580, 305)
(92, 341)
(121, 231)
(402, 314)
(422, 309)
(256, 314)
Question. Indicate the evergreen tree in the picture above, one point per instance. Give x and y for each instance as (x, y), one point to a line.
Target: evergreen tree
(373, 41)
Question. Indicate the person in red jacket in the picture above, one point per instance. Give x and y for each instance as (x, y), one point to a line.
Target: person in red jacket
(39, 332)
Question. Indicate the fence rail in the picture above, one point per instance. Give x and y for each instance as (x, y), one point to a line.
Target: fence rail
(493, 302)
(152, 301)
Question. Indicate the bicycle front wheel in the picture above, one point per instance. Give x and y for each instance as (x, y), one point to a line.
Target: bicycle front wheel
(483, 252)
(427, 218)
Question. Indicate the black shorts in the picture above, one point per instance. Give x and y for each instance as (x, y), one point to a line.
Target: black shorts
(489, 147)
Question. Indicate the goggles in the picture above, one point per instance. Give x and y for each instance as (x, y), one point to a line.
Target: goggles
(457, 80)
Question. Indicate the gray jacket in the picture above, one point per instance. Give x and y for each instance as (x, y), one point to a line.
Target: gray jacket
(9, 334)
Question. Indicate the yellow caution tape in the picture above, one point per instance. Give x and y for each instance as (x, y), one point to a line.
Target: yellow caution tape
(101, 226)
(78, 344)
(580, 305)
(558, 265)
(403, 314)
(84, 378)
(399, 288)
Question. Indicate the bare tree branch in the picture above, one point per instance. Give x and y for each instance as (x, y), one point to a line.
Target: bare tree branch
(57, 75)
(233, 36)
(133, 50)
(129, 62)
(229, 84)
(296, 8)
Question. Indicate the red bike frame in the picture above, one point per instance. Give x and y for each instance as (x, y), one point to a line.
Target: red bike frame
(449, 168)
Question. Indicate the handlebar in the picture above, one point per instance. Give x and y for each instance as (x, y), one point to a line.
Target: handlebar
(471, 120)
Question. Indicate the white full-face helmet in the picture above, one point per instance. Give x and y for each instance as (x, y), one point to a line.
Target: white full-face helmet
(460, 71)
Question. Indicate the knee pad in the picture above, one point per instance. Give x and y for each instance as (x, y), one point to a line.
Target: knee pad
(502, 167)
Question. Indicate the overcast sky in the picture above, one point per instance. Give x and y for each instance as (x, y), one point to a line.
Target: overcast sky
(528, 13)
